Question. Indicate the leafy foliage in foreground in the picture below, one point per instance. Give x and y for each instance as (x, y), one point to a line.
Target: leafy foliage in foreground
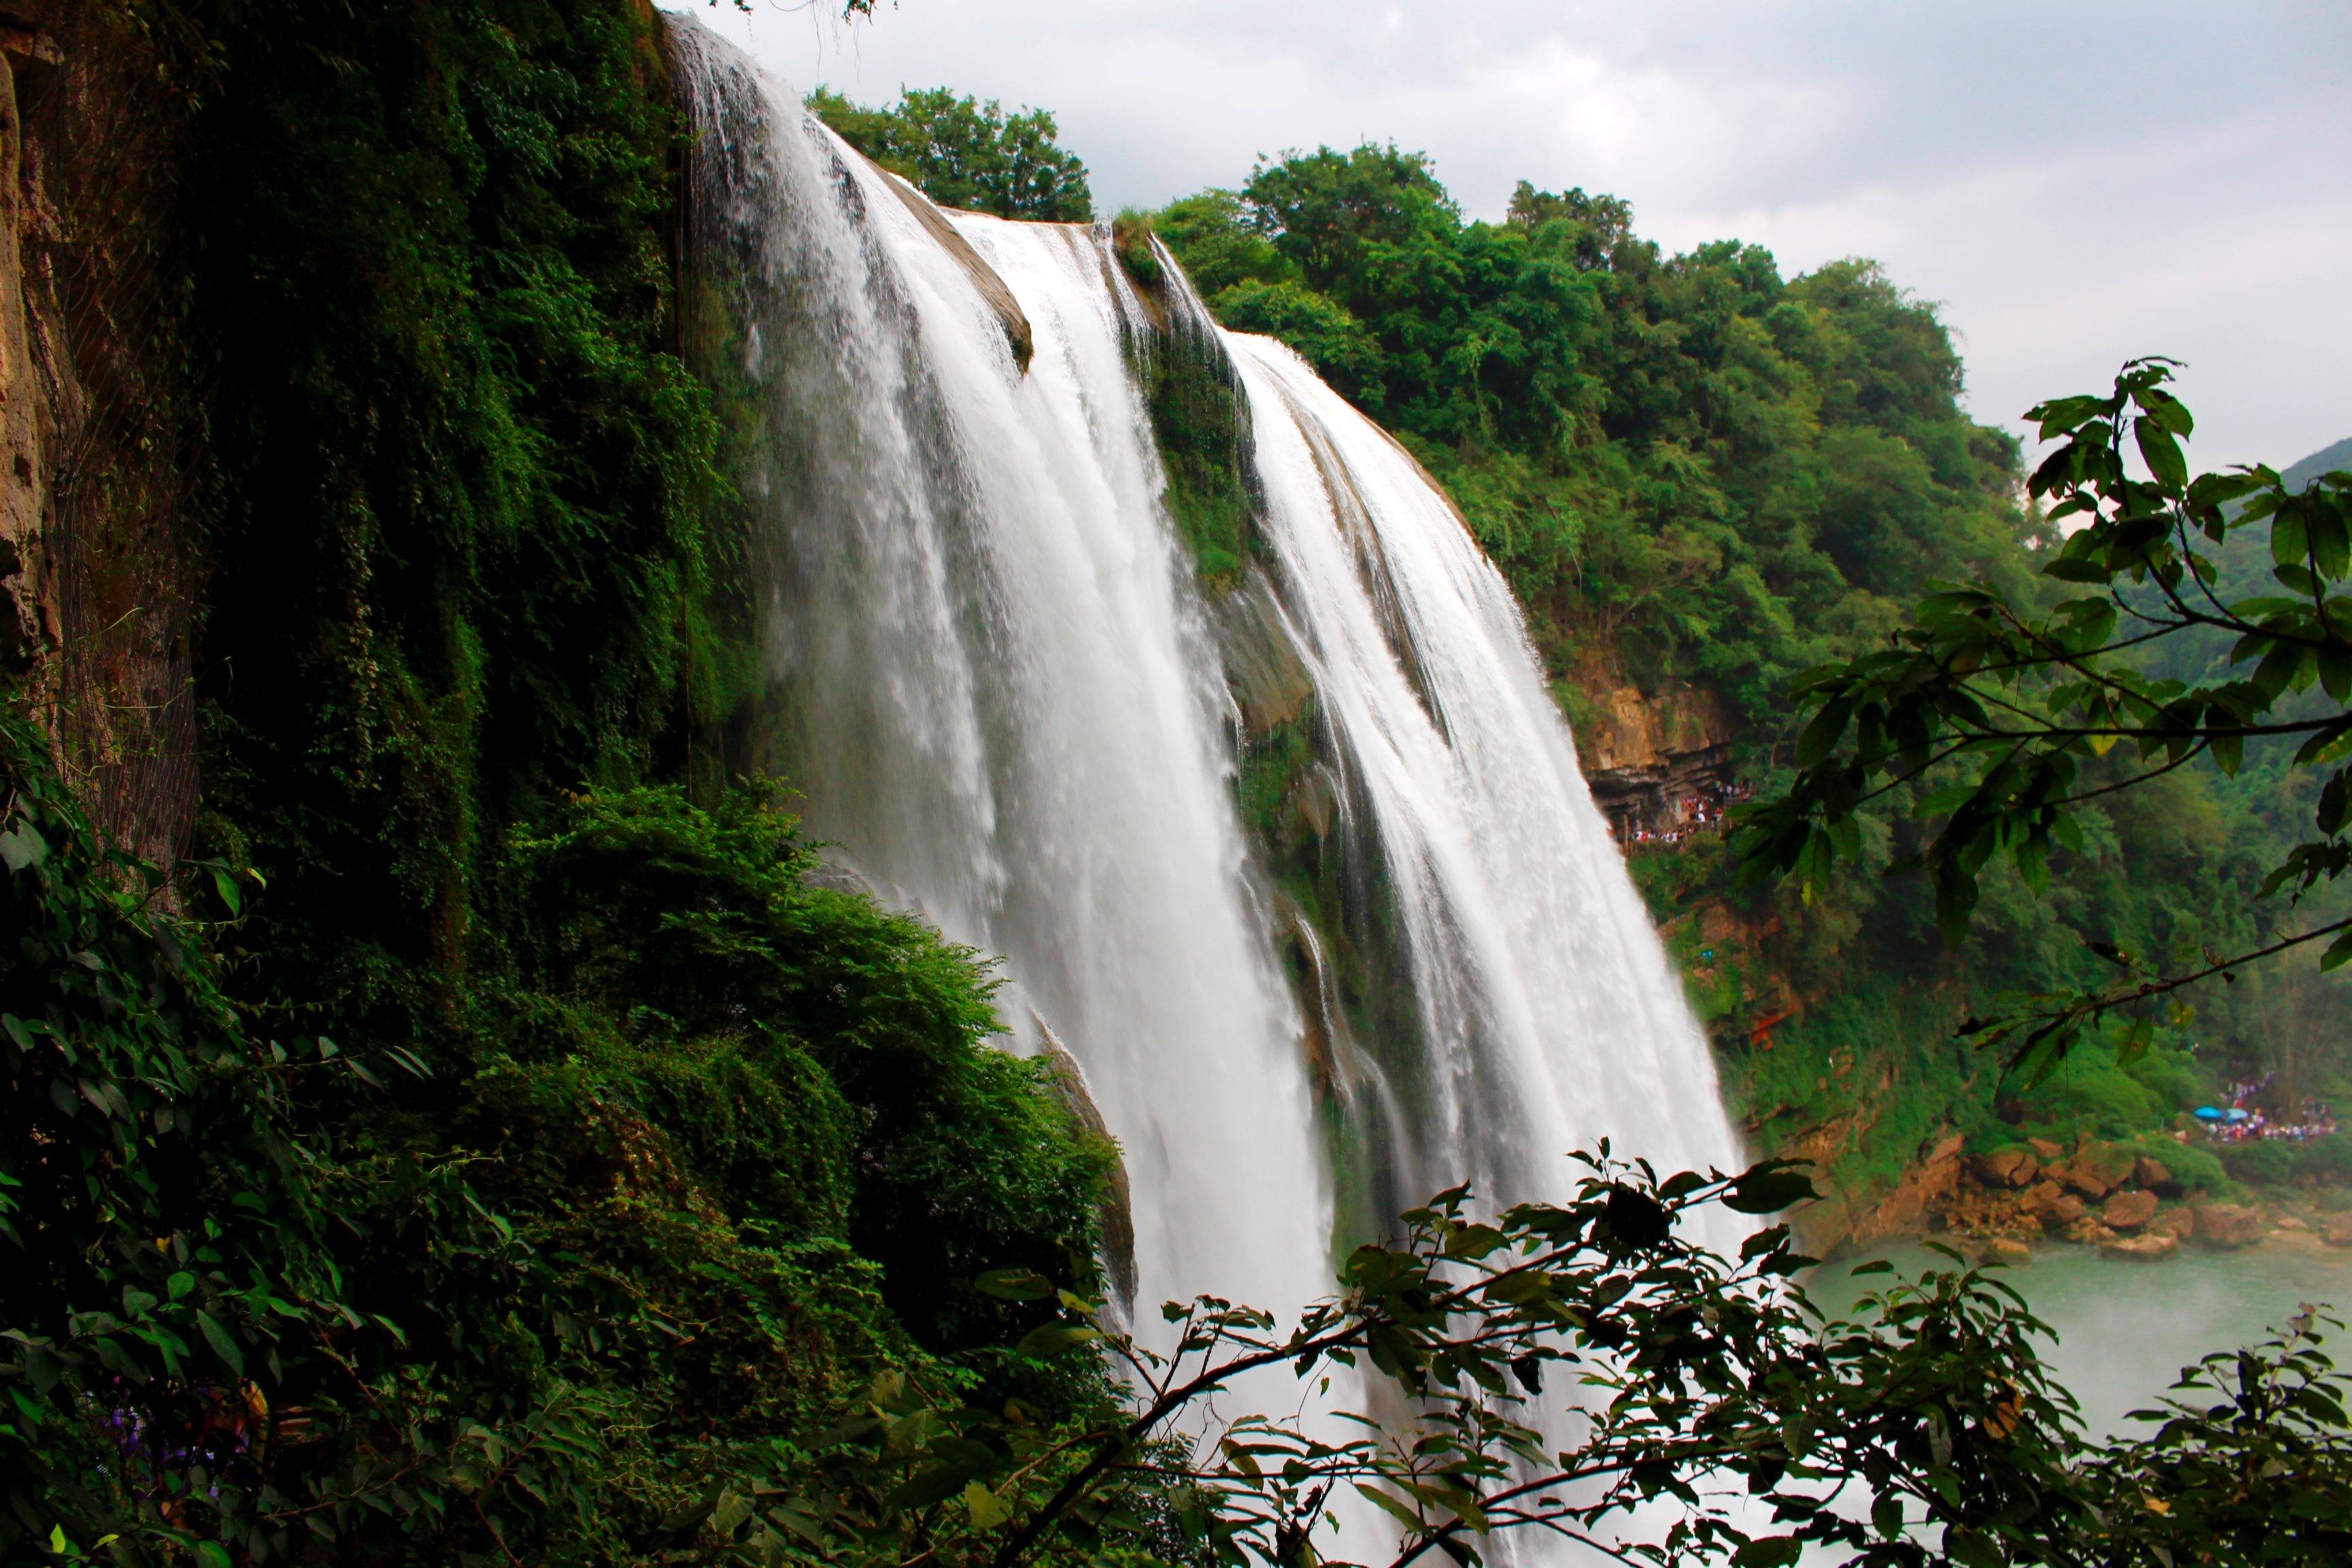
(1585, 1372)
(2006, 712)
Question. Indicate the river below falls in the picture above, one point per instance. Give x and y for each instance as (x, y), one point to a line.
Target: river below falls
(2125, 1329)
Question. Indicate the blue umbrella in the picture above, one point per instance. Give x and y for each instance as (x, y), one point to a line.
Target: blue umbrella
(2206, 1113)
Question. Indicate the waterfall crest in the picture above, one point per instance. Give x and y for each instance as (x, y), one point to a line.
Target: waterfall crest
(991, 671)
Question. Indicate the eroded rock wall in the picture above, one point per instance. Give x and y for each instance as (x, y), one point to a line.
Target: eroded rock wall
(96, 566)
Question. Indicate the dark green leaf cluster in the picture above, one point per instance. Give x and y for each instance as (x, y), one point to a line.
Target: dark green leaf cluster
(732, 1147)
(2000, 714)
(1585, 1372)
(962, 152)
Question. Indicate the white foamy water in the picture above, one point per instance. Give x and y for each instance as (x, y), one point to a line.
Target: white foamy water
(989, 673)
(1550, 1015)
(989, 680)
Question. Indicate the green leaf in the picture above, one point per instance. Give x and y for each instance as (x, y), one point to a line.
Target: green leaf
(23, 846)
(987, 1510)
(1014, 1285)
(1767, 1190)
(1821, 733)
(1769, 1552)
(212, 1554)
(2161, 452)
(1390, 1505)
(223, 1343)
(1052, 1339)
(2067, 569)
(2289, 544)
(927, 1488)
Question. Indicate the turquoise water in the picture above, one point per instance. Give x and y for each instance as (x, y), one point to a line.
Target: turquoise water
(2123, 1329)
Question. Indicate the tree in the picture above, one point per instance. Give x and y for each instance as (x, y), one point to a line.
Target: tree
(1998, 716)
(1585, 1371)
(962, 152)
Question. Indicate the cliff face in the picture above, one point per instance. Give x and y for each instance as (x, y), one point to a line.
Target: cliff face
(1656, 763)
(97, 564)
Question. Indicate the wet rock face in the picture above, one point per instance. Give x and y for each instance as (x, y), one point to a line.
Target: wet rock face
(1645, 755)
(1265, 670)
(2228, 1224)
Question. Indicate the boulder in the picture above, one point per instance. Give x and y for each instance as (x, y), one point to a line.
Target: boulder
(2096, 1170)
(2144, 1247)
(2044, 1150)
(2007, 1249)
(2006, 1168)
(2152, 1175)
(2174, 1223)
(2229, 1225)
(2088, 1231)
(2336, 1229)
(2128, 1211)
(2054, 1206)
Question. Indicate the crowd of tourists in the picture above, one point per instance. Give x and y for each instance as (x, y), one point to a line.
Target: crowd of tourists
(1693, 814)
(2235, 1121)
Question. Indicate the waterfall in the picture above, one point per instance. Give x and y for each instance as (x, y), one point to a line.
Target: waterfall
(1548, 1014)
(1008, 702)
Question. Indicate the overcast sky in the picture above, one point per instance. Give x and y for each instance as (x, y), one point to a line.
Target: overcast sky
(2072, 183)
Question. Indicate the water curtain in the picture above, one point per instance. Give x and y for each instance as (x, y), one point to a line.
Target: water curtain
(1288, 861)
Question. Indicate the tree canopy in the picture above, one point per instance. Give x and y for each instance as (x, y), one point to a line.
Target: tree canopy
(962, 152)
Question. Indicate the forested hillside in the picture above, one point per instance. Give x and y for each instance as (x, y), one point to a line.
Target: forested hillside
(1704, 477)
(482, 1143)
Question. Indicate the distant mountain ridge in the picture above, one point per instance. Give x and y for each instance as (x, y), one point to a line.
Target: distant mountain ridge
(2328, 459)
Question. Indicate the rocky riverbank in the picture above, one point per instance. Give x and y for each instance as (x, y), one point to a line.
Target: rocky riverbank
(2126, 1201)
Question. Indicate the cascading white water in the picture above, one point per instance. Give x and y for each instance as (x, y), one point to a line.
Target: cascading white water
(988, 682)
(1551, 1015)
(992, 679)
